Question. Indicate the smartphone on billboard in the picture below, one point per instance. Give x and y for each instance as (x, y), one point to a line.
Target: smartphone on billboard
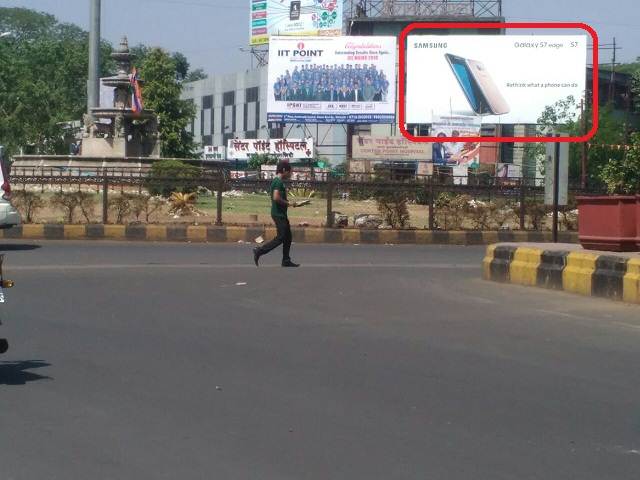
(478, 86)
(294, 10)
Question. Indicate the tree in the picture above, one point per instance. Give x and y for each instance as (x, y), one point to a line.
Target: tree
(622, 175)
(257, 160)
(161, 92)
(635, 89)
(195, 75)
(42, 79)
(560, 118)
(182, 65)
(140, 53)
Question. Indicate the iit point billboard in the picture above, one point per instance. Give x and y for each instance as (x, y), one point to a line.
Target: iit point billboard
(502, 79)
(294, 17)
(332, 80)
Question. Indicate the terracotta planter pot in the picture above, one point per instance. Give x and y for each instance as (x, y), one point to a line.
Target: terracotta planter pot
(609, 223)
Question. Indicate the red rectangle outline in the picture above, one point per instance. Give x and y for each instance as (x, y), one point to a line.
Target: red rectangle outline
(496, 25)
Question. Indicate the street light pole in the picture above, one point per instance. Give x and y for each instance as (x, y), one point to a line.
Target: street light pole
(93, 83)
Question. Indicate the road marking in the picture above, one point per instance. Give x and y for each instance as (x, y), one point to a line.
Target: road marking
(583, 318)
(627, 325)
(435, 266)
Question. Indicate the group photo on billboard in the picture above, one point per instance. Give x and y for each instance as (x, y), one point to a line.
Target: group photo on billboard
(332, 80)
(294, 17)
(503, 79)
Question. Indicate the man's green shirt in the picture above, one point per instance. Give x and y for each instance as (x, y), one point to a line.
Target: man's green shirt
(278, 210)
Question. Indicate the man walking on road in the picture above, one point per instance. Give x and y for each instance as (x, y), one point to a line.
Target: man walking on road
(279, 206)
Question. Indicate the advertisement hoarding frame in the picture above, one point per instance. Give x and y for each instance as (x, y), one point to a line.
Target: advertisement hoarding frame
(264, 38)
(385, 115)
(493, 25)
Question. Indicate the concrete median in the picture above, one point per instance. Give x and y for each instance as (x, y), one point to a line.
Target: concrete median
(219, 234)
(565, 267)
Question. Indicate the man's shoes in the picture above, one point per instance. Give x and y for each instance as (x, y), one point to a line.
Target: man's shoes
(256, 256)
(289, 263)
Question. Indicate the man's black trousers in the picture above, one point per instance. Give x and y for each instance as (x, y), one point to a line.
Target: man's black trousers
(283, 237)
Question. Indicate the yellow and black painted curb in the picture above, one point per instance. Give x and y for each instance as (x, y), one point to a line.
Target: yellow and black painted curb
(211, 233)
(586, 273)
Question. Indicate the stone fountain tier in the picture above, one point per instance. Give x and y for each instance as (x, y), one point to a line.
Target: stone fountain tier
(125, 113)
(126, 133)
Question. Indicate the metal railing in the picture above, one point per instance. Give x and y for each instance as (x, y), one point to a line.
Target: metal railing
(424, 8)
(431, 200)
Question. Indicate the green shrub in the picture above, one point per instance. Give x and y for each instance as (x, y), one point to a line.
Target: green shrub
(451, 210)
(536, 212)
(168, 176)
(145, 204)
(392, 203)
(121, 206)
(27, 203)
(70, 202)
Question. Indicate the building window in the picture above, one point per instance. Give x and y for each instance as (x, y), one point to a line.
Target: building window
(362, 130)
(207, 140)
(226, 138)
(251, 134)
(252, 94)
(276, 130)
(233, 119)
(418, 130)
(207, 102)
(507, 149)
(228, 98)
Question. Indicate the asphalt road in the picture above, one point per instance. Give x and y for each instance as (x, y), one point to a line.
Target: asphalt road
(178, 361)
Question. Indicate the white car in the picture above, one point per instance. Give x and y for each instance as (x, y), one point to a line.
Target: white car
(9, 216)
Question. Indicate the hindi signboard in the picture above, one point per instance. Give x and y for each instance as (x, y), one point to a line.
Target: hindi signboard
(388, 148)
(294, 17)
(284, 148)
(332, 80)
(214, 152)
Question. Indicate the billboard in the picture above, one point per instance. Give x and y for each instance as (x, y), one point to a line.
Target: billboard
(465, 154)
(507, 171)
(284, 148)
(294, 17)
(332, 80)
(503, 79)
(388, 148)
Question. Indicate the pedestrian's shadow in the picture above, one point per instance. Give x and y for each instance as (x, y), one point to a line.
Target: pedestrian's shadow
(15, 373)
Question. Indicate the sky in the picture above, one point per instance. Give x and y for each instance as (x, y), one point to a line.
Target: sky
(211, 33)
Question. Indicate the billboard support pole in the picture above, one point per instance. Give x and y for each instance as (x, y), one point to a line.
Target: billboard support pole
(556, 189)
(583, 123)
(431, 204)
(522, 204)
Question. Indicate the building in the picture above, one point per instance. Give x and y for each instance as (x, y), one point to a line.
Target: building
(235, 106)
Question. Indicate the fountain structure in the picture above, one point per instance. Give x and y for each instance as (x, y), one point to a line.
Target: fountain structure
(119, 131)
